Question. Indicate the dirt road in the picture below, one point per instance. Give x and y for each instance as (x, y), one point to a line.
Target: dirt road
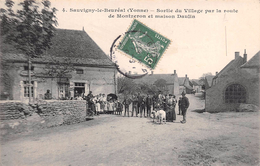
(206, 139)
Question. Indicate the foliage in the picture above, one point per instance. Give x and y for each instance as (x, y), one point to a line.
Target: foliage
(58, 69)
(161, 84)
(6, 81)
(145, 88)
(28, 30)
(202, 78)
(126, 85)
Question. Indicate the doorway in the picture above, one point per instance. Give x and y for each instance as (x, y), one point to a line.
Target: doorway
(79, 89)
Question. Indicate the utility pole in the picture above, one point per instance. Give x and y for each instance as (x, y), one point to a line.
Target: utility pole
(30, 79)
(115, 81)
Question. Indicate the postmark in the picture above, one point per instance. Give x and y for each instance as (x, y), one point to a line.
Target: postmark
(127, 66)
(143, 44)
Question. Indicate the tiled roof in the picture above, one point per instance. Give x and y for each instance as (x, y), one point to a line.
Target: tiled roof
(150, 79)
(253, 62)
(235, 63)
(49, 59)
(184, 81)
(75, 44)
(181, 80)
(195, 82)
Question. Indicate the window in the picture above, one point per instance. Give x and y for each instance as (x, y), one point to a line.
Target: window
(79, 89)
(79, 84)
(79, 71)
(235, 93)
(27, 67)
(63, 90)
(26, 88)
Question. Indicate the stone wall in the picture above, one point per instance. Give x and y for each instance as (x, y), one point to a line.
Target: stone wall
(215, 101)
(19, 117)
(14, 110)
(72, 111)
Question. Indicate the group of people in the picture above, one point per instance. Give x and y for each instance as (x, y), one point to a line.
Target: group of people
(142, 105)
(96, 104)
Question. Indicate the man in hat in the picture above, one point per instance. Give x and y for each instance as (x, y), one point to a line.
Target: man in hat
(90, 102)
(140, 101)
(126, 102)
(142, 107)
(149, 102)
(134, 105)
(184, 104)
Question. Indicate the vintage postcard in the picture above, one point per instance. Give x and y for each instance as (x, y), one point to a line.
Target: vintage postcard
(132, 82)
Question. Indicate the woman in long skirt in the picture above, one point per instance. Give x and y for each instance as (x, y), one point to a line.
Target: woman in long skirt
(170, 109)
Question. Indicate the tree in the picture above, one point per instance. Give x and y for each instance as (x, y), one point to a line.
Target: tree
(126, 85)
(58, 68)
(6, 82)
(202, 78)
(29, 29)
(161, 84)
(145, 88)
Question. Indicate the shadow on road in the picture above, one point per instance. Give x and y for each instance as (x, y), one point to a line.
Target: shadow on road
(157, 123)
(199, 110)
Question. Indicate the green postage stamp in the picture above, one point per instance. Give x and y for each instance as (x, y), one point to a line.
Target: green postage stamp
(144, 44)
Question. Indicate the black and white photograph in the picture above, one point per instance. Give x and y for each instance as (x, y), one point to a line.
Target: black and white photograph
(129, 83)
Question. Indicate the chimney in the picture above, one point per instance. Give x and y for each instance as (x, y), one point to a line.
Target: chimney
(174, 72)
(245, 57)
(129, 72)
(216, 73)
(186, 75)
(83, 29)
(236, 55)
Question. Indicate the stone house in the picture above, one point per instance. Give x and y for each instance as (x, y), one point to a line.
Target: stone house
(185, 85)
(168, 81)
(91, 69)
(237, 83)
(196, 85)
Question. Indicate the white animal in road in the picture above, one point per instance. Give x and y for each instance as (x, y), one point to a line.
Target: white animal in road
(160, 115)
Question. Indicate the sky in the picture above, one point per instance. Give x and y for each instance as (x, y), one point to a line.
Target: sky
(199, 45)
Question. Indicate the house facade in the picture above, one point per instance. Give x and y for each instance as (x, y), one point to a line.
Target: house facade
(196, 85)
(185, 85)
(72, 67)
(235, 84)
